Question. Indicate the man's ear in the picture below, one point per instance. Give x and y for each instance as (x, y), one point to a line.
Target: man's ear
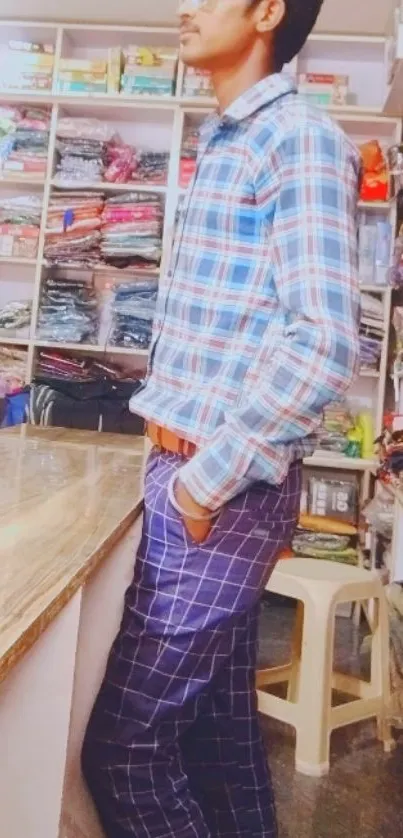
(269, 14)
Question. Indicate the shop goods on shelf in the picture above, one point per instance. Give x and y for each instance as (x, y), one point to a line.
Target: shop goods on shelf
(374, 252)
(372, 331)
(24, 69)
(149, 70)
(24, 140)
(68, 312)
(343, 433)
(78, 75)
(73, 227)
(131, 231)
(188, 156)
(20, 219)
(132, 314)
(324, 88)
(89, 151)
(197, 83)
(15, 319)
(83, 393)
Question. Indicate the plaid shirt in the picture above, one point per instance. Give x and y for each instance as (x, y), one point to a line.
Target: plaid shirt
(256, 327)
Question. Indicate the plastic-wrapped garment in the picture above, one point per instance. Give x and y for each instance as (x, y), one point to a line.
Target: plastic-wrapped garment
(22, 209)
(315, 545)
(68, 312)
(132, 230)
(70, 127)
(15, 315)
(151, 167)
(133, 313)
(80, 160)
(72, 227)
(66, 367)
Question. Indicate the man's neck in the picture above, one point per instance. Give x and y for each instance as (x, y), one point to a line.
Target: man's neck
(230, 84)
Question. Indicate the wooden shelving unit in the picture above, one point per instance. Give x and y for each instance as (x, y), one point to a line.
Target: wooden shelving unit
(159, 122)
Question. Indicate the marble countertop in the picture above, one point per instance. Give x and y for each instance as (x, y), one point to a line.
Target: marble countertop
(66, 497)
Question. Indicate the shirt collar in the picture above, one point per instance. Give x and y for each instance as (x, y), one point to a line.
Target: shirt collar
(264, 93)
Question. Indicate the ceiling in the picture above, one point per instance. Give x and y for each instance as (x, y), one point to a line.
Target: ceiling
(358, 16)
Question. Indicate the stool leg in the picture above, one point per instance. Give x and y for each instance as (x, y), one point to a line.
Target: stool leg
(380, 671)
(293, 683)
(315, 692)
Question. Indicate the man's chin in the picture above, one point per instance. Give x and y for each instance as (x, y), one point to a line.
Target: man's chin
(191, 58)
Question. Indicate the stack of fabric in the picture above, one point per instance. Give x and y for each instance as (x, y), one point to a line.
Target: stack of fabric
(337, 422)
(15, 318)
(20, 219)
(188, 157)
(124, 163)
(197, 83)
(151, 167)
(372, 331)
(79, 75)
(326, 538)
(82, 149)
(133, 313)
(73, 228)
(24, 140)
(132, 230)
(83, 393)
(149, 70)
(68, 312)
(27, 66)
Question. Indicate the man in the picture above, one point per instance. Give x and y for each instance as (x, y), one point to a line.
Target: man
(255, 332)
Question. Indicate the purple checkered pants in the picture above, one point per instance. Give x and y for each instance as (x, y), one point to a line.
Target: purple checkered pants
(173, 747)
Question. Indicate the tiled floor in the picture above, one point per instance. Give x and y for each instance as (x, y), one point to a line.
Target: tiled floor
(363, 795)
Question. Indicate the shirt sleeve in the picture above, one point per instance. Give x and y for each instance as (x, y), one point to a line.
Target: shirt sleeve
(312, 251)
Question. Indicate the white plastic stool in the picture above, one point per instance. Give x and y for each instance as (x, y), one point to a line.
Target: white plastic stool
(319, 586)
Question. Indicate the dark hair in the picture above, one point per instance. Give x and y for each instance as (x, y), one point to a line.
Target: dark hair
(299, 20)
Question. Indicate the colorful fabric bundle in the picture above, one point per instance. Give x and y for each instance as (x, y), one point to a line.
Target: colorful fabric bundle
(24, 140)
(133, 313)
(337, 422)
(149, 70)
(15, 317)
(334, 548)
(20, 219)
(188, 157)
(64, 366)
(132, 230)
(73, 227)
(82, 148)
(68, 312)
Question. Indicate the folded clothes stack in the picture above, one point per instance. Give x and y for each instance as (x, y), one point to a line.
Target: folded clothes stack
(82, 146)
(151, 167)
(73, 228)
(27, 66)
(330, 547)
(197, 83)
(13, 369)
(20, 219)
(337, 422)
(15, 318)
(149, 71)
(83, 393)
(372, 331)
(68, 312)
(24, 140)
(78, 75)
(133, 313)
(131, 233)
(188, 157)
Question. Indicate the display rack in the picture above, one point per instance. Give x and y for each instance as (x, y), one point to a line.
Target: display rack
(159, 123)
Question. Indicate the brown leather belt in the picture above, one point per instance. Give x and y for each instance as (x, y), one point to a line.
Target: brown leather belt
(169, 441)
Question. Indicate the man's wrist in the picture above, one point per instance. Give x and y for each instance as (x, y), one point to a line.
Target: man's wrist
(184, 504)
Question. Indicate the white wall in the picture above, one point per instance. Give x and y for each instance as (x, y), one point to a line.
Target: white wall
(364, 16)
